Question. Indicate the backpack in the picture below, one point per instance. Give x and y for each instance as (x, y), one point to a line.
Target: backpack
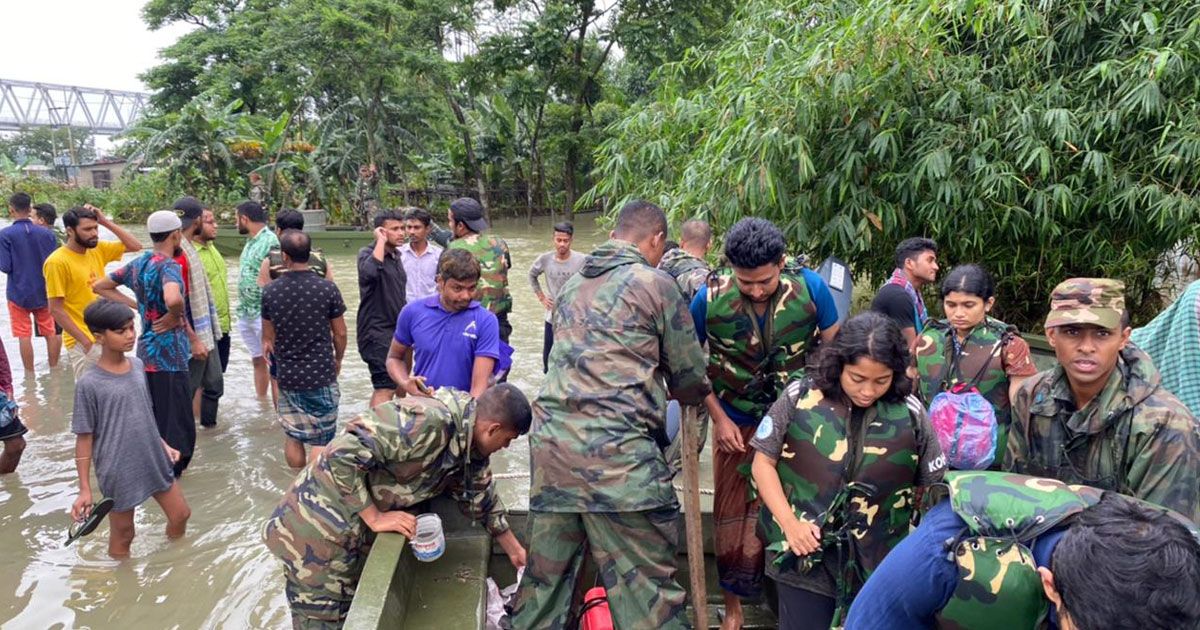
(965, 422)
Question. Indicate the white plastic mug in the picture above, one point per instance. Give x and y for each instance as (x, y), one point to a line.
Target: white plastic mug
(430, 542)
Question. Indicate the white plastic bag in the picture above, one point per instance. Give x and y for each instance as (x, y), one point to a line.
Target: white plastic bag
(498, 601)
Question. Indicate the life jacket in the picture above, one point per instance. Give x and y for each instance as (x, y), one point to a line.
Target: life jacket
(748, 365)
(998, 585)
(275, 266)
(979, 363)
(493, 257)
(855, 482)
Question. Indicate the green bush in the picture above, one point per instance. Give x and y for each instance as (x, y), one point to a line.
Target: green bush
(130, 200)
(1042, 139)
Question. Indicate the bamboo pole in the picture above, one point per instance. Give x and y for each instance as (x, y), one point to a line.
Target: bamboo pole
(689, 426)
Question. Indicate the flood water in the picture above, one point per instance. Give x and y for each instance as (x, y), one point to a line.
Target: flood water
(219, 575)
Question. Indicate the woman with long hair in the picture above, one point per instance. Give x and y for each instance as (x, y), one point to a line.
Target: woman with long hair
(839, 459)
(970, 352)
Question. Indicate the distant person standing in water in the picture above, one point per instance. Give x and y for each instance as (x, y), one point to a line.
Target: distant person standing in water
(167, 341)
(24, 248)
(559, 265)
(468, 225)
(420, 257)
(381, 296)
(252, 221)
(304, 330)
(113, 422)
(72, 269)
(45, 214)
(218, 279)
(900, 297)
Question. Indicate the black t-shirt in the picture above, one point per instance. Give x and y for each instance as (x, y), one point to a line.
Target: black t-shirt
(300, 306)
(893, 301)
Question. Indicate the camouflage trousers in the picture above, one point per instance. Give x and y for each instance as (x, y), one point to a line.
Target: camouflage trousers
(320, 574)
(635, 553)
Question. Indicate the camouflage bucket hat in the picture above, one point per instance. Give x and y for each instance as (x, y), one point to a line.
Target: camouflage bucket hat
(1097, 301)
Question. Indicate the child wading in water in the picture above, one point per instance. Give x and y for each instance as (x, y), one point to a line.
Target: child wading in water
(114, 426)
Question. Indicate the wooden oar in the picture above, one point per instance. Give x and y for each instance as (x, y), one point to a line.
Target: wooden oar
(689, 427)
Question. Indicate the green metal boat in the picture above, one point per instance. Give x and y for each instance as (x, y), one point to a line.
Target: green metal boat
(331, 240)
(397, 591)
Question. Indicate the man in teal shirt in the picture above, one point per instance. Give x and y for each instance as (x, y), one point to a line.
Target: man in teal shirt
(252, 221)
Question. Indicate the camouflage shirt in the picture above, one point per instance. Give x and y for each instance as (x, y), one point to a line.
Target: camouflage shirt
(494, 263)
(1134, 437)
(690, 272)
(396, 456)
(621, 330)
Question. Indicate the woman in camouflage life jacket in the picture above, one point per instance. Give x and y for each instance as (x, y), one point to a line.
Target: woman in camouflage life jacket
(838, 460)
(969, 348)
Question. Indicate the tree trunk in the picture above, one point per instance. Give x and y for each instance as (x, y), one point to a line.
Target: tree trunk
(572, 160)
(469, 150)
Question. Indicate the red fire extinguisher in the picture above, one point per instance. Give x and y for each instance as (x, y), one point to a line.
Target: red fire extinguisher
(595, 614)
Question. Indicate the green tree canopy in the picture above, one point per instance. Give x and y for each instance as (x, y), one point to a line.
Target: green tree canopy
(1043, 139)
(40, 145)
(510, 96)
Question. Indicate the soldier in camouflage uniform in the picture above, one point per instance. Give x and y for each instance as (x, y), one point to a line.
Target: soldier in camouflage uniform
(838, 461)
(1002, 547)
(686, 263)
(600, 480)
(468, 225)
(366, 195)
(386, 462)
(1101, 417)
(258, 191)
(758, 317)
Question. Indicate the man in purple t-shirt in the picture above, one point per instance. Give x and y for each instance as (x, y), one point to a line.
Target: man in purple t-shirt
(455, 341)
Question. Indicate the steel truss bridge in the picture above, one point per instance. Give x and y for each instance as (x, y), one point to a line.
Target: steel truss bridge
(103, 112)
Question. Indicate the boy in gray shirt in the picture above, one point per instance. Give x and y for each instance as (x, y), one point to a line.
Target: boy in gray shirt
(558, 265)
(114, 426)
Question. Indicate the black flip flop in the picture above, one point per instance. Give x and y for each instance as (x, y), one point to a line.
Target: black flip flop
(89, 524)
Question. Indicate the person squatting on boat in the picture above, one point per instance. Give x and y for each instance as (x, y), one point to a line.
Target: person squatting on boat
(383, 463)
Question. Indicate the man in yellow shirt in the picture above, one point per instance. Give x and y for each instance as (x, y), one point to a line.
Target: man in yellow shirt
(71, 270)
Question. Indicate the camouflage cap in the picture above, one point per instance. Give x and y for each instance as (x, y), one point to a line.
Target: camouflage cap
(1098, 301)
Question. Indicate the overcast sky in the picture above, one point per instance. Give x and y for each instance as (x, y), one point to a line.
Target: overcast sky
(91, 43)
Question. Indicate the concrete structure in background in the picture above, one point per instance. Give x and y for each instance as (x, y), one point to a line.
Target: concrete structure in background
(102, 174)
